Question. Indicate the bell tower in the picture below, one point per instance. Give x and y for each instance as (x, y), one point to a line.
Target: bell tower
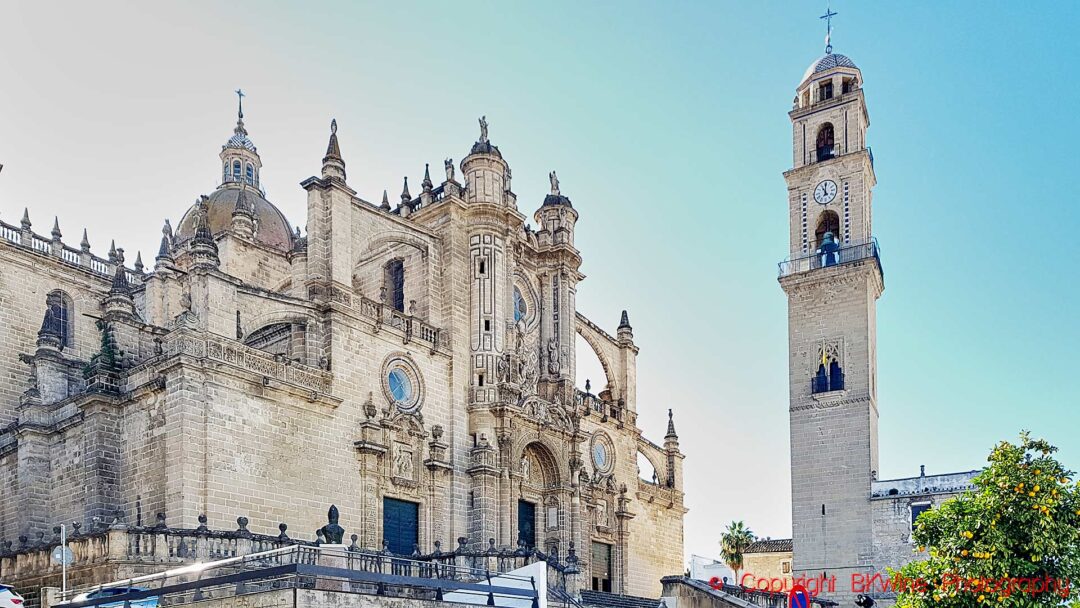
(832, 278)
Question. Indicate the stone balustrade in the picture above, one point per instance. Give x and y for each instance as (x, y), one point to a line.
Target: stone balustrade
(54, 247)
(218, 348)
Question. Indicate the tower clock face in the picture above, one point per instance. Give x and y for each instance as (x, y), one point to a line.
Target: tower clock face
(825, 192)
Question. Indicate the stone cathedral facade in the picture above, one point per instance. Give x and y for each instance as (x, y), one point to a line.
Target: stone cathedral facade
(844, 519)
(413, 364)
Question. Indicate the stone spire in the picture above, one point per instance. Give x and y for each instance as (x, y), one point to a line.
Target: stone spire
(243, 216)
(25, 222)
(673, 477)
(138, 262)
(333, 164)
(426, 184)
(385, 206)
(671, 427)
(204, 251)
(119, 281)
(119, 302)
(85, 244)
(625, 333)
(56, 235)
(405, 208)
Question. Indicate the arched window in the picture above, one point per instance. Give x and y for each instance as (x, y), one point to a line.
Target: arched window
(829, 376)
(520, 307)
(236, 170)
(825, 142)
(60, 317)
(828, 222)
(394, 284)
(250, 175)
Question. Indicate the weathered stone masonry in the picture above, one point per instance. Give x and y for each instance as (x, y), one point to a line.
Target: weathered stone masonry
(421, 353)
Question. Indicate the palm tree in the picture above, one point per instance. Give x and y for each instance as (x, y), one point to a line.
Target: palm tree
(733, 542)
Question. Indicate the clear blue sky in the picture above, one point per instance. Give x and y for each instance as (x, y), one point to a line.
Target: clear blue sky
(668, 126)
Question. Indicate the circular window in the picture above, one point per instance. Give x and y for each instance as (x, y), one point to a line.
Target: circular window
(599, 454)
(520, 307)
(400, 386)
(402, 383)
(603, 453)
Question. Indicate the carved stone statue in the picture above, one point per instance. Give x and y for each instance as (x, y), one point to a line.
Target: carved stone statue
(554, 183)
(502, 368)
(553, 356)
(525, 468)
(508, 175)
(53, 323)
(483, 129)
(448, 164)
(403, 465)
(332, 532)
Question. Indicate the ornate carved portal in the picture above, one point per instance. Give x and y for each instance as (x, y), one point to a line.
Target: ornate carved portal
(538, 483)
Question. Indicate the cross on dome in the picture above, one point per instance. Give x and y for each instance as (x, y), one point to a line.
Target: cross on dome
(829, 14)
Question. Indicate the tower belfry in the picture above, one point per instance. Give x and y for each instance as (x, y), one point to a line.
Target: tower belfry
(832, 279)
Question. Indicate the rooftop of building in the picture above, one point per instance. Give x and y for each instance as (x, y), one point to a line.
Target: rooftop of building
(944, 483)
(769, 545)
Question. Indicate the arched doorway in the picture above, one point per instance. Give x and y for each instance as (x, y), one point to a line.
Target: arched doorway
(538, 505)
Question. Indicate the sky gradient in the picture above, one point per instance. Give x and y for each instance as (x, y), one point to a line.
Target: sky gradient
(667, 124)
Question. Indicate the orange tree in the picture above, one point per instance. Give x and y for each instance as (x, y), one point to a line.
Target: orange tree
(1011, 541)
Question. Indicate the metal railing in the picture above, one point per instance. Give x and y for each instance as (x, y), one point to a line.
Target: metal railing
(844, 255)
(304, 567)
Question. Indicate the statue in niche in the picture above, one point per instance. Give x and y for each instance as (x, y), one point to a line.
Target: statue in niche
(448, 164)
(403, 465)
(502, 368)
(553, 355)
(53, 323)
(526, 468)
(519, 338)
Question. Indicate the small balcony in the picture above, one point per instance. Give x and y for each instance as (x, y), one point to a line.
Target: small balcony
(847, 254)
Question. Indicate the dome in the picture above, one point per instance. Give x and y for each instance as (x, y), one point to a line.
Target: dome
(240, 140)
(485, 147)
(827, 62)
(556, 200)
(273, 229)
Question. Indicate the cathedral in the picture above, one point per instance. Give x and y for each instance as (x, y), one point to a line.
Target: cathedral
(411, 363)
(845, 521)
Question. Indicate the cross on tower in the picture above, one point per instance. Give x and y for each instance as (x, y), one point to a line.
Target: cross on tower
(829, 14)
(240, 100)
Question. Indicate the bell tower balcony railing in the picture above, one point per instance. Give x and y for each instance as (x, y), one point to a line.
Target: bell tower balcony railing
(847, 254)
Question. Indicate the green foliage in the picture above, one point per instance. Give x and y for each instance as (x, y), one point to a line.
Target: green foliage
(1016, 532)
(109, 356)
(733, 542)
